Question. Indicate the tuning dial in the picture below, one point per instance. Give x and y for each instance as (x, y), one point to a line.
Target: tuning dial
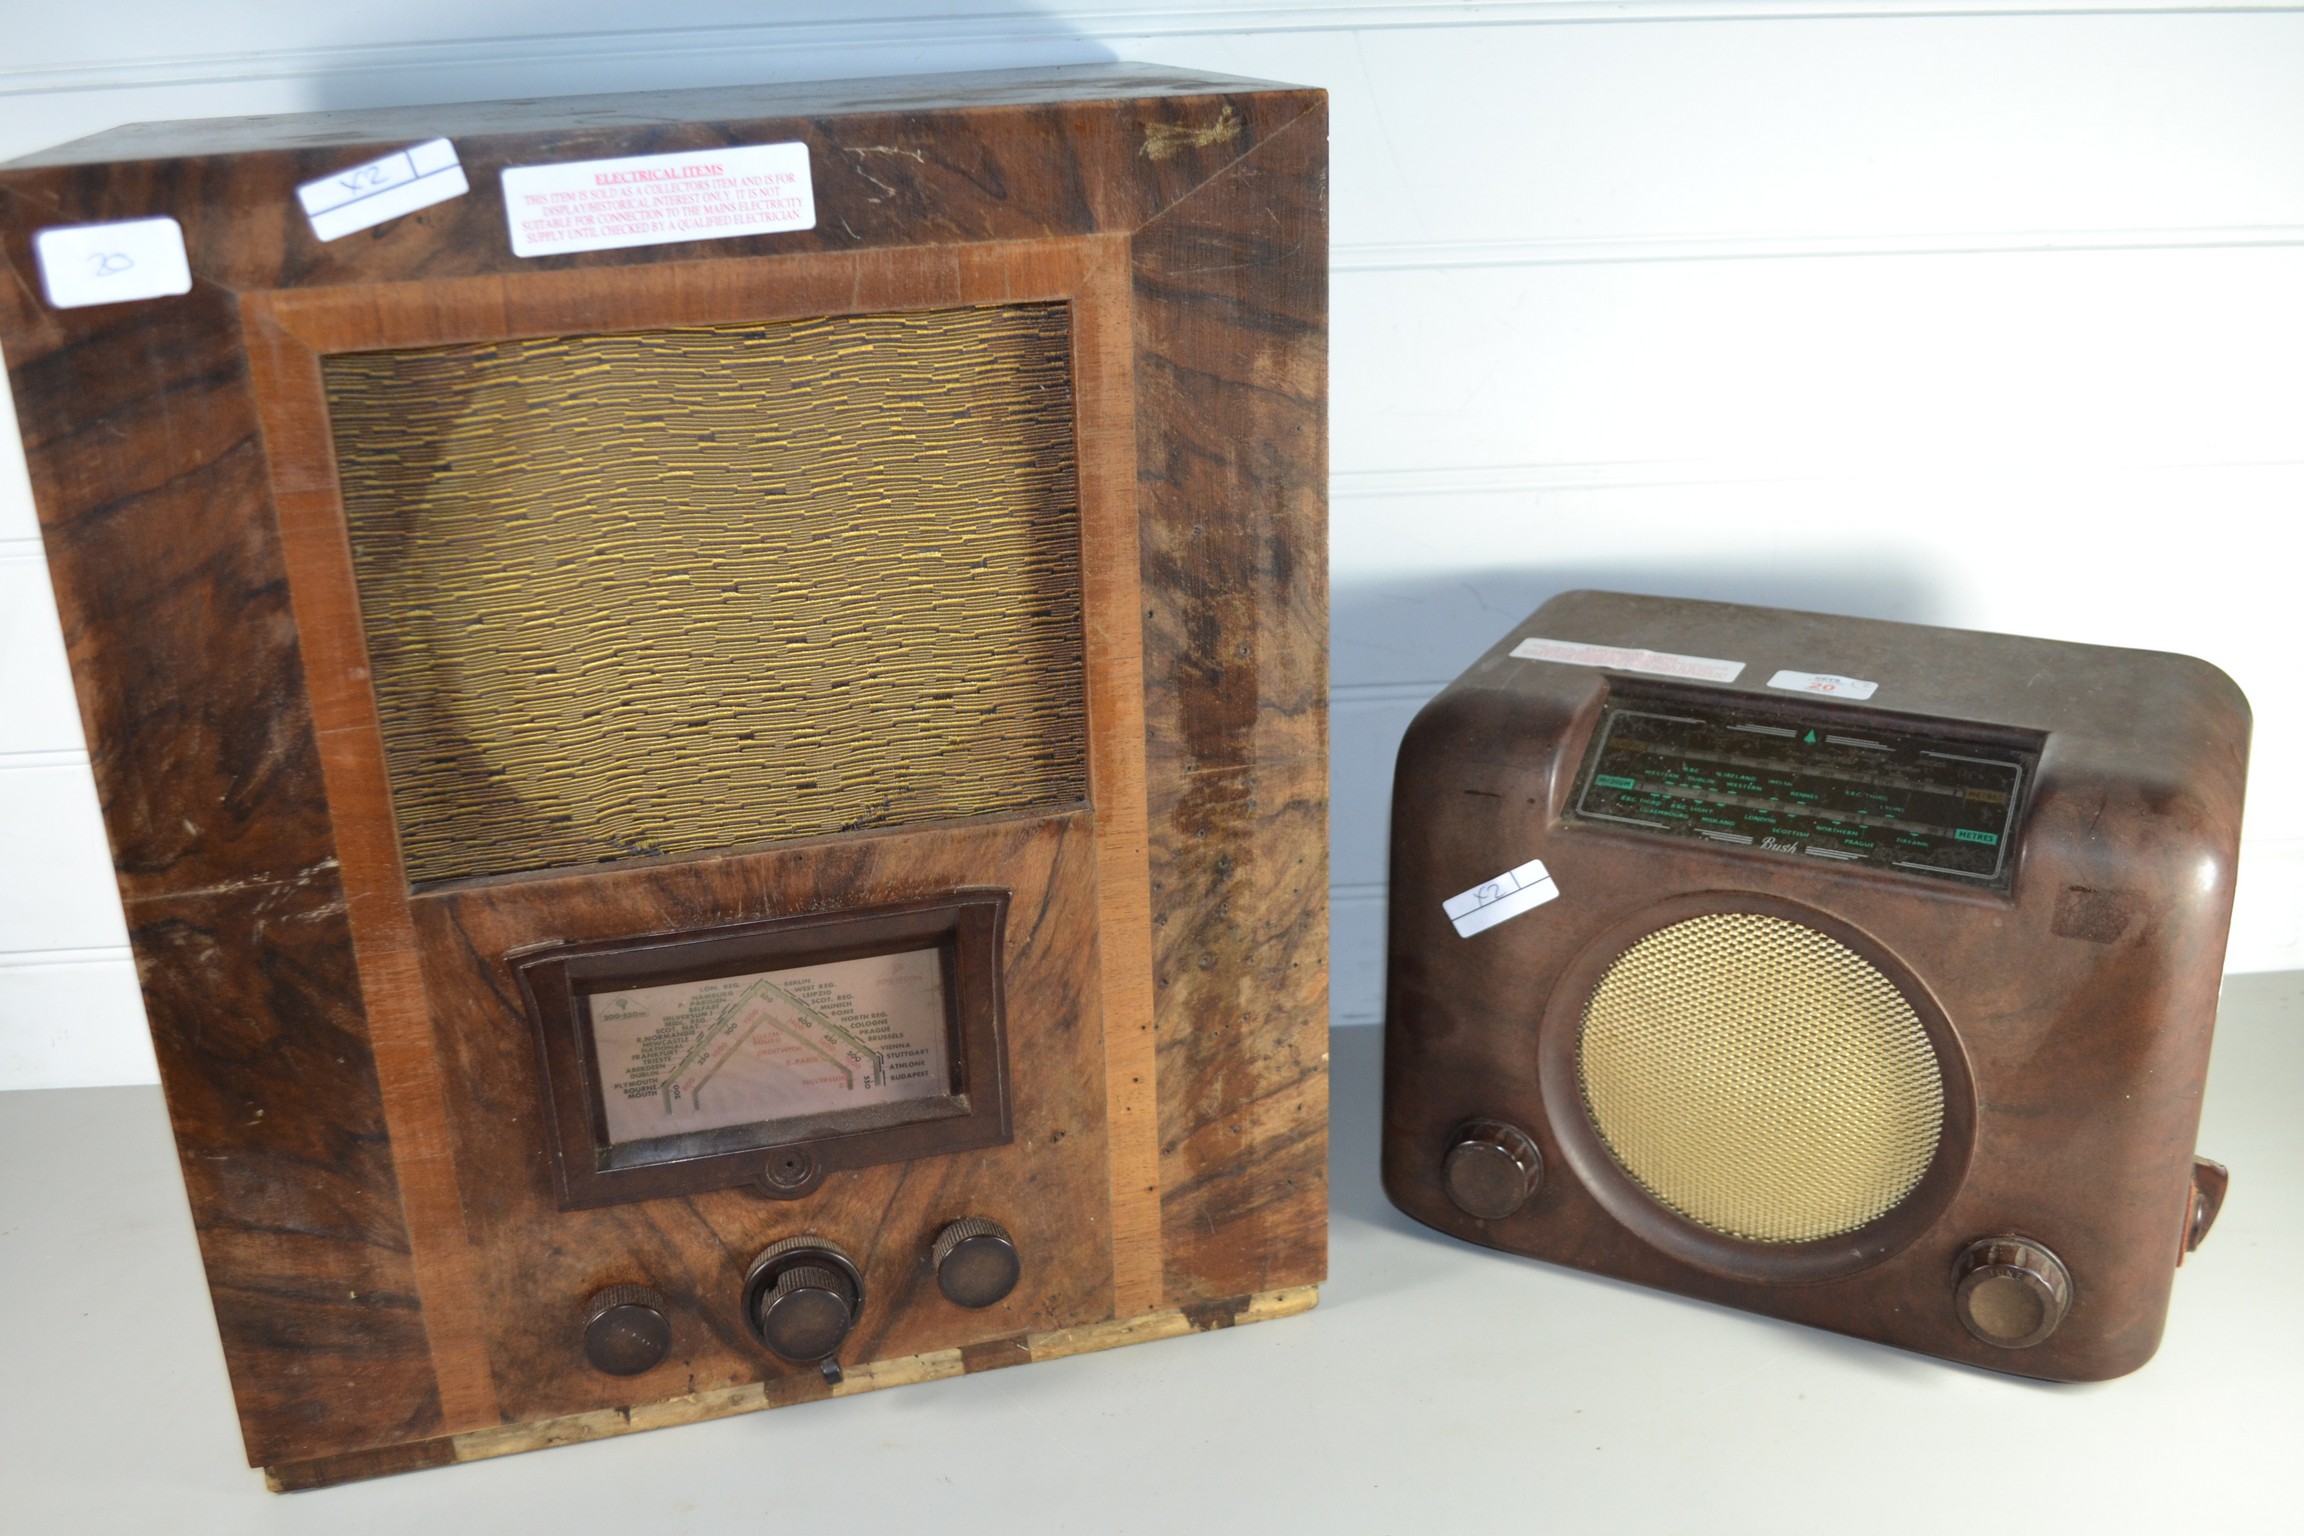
(801, 1296)
(626, 1330)
(2011, 1292)
(976, 1262)
(1491, 1169)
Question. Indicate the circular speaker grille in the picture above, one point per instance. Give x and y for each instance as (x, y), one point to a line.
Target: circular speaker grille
(1760, 1078)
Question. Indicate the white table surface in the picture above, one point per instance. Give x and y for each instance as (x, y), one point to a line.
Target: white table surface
(1436, 1388)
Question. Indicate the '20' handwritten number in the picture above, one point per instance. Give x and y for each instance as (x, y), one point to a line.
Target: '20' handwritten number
(109, 263)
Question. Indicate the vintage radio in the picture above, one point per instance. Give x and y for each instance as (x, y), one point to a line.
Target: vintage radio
(1857, 973)
(711, 714)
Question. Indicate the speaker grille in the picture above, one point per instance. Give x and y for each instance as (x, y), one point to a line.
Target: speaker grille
(679, 590)
(1760, 1078)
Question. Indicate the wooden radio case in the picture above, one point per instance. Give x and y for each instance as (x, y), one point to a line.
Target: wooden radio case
(711, 711)
(1856, 973)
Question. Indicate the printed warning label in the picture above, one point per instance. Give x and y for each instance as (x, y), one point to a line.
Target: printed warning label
(607, 205)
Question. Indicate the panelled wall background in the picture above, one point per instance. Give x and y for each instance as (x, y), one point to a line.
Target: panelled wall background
(1975, 314)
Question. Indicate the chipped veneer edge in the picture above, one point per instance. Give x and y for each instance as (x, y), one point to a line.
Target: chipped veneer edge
(904, 1370)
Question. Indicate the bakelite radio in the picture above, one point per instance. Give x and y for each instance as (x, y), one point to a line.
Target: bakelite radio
(1857, 973)
(711, 714)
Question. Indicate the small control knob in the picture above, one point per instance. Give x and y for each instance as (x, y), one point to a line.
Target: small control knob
(1491, 1169)
(2010, 1292)
(2210, 1180)
(626, 1330)
(801, 1296)
(976, 1262)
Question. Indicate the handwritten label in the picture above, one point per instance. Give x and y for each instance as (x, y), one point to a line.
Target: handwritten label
(366, 195)
(1824, 682)
(1507, 896)
(607, 205)
(83, 264)
(1662, 663)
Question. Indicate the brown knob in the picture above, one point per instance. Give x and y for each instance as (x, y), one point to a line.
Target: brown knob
(801, 1296)
(2011, 1292)
(976, 1262)
(626, 1330)
(2210, 1179)
(1491, 1169)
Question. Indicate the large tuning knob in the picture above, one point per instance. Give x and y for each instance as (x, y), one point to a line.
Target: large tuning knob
(1491, 1169)
(801, 1298)
(976, 1262)
(2010, 1291)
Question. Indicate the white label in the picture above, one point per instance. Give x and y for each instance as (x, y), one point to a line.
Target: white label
(705, 194)
(1663, 663)
(367, 195)
(83, 264)
(1824, 682)
(1508, 895)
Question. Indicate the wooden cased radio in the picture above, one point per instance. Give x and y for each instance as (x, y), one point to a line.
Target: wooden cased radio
(711, 712)
(1857, 973)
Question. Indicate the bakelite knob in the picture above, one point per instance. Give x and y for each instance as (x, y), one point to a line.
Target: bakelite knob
(2210, 1180)
(2010, 1292)
(976, 1262)
(1491, 1169)
(801, 1297)
(807, 1313)
(626, 1330)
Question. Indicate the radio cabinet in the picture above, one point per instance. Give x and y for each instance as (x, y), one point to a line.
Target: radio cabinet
(1860, 974)
(705, 822)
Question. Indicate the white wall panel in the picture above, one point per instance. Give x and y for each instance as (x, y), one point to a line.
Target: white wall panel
(1983, 319)
(1585, 139)
(37, 713)
(72, 1023)
(57, 893)
(1826, 366)
(17, 520)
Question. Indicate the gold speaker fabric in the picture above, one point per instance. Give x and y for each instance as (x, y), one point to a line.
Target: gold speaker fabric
(686, 589)
(1760, 1078)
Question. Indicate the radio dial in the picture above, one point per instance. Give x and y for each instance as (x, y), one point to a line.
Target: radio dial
(1491, 1169)
(2010, 1292)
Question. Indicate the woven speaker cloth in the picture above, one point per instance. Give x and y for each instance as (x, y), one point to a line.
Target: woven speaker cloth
(681, 590)
(1760, 1078)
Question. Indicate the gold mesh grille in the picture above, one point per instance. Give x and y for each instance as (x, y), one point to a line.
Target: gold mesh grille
(678, 590)
(1760, 1078)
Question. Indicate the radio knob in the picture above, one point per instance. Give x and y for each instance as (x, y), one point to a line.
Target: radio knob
(801, 1296)
(626, 1330)
(2010, 1292)
(976, 1262)
(1491, 1169)
(807, 1312)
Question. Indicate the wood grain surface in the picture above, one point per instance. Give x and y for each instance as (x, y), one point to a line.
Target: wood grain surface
(353, 1085)
(1232, 349)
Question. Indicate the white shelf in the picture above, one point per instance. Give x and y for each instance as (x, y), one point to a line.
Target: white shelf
(1438, 1387)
